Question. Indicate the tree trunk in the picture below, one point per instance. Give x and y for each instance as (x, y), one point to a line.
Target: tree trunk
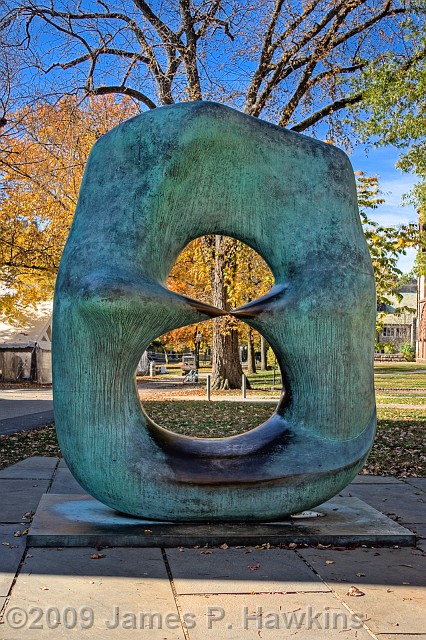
(226, 366)
(251, 360)
(264, 346)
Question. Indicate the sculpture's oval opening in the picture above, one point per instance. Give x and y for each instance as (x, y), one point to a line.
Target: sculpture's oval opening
(176, 398)
(218, 378)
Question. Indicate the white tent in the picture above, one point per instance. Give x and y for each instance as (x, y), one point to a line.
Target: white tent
(25, 348)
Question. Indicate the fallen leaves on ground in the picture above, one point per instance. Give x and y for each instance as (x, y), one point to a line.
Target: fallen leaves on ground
(37, 442)
(399, 448)
(205, 419)
(354, 591)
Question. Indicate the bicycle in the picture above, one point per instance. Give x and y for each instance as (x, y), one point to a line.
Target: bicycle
(191, 376)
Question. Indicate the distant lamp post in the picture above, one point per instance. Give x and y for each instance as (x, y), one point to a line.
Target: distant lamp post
(197, 338)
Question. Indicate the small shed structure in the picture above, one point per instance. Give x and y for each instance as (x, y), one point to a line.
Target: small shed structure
(26, 348)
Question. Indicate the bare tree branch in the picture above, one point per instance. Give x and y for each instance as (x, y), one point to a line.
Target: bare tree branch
(48, 15)
(126, 91)
(302, 50)
(269, 48)
(326, 111)
(307, 82)
(166, 34)
(210, 18)
(285, 67)
(120, 53)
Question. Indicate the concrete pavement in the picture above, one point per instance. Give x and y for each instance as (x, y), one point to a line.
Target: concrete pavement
(23, 409)
(231, 593)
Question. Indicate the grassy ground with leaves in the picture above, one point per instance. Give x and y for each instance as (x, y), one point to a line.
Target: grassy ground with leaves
(399, 448)
(37, 442)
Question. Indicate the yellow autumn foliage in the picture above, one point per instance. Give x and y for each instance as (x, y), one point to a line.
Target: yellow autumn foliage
(246, 277)
(41, 167)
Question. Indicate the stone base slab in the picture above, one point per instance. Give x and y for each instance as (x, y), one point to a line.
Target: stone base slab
(72, 520)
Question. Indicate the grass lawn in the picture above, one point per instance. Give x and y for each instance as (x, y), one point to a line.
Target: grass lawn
(415, 398)
(398, 367)
(399, 448)
(400, 381)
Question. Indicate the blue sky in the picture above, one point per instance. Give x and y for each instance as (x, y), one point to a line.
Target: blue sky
(233, 74)
(394, 184)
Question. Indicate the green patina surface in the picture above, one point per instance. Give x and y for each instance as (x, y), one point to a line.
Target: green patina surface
(153, 184)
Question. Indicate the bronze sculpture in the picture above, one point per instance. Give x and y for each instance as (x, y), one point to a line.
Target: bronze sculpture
(152, 185)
